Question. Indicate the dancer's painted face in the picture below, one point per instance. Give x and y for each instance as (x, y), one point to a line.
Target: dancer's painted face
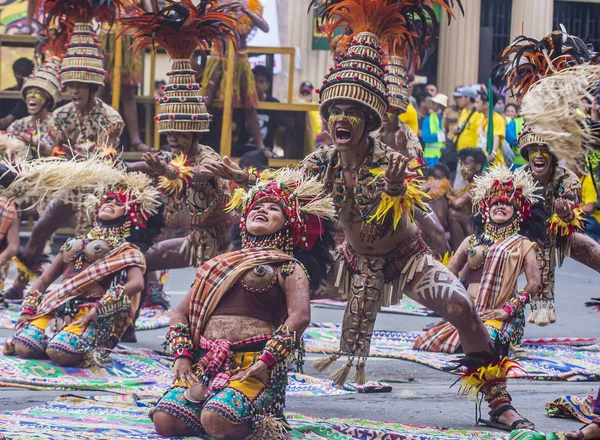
(180, 142)
(265, 218)
(35, 100)
(347, 125)
(81, 95)
(469, 168)
(540, 160)
(502, 212)
(112, 209)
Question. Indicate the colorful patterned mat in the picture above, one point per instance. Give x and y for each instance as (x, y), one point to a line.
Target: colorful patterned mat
(126, 418)
(406, 307)
(573, 407)
(569, 359)
(150, 318)
(132, 371)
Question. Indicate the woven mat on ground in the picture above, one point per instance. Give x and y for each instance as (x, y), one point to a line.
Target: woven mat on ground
(573, 407)
(150, 317)
(406, 307)
(138, 371)
(569, 359)
(125, 417)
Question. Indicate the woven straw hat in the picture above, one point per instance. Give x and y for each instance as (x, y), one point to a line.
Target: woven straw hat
(527, 138)
(182, 108)
(358, 77)
(47, 78)
(83, 62)
(397, 83)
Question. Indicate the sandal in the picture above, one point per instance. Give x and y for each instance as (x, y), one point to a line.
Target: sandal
(495, 415)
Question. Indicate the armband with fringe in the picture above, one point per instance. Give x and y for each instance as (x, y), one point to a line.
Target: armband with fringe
(113, 300)
(562, 228)
(282, 344)
(397, 199)
(516, 302)
(177, 176)
(178, 341)
(31, 302)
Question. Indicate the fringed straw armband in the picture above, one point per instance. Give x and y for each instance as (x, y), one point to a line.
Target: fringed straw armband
(113, 301)
(283, 344)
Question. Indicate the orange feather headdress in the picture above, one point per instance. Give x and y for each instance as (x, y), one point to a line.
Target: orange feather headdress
(528, 60)
(181, 28)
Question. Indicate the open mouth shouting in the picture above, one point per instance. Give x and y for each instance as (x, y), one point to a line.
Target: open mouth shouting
(540, 161)
(342, 135)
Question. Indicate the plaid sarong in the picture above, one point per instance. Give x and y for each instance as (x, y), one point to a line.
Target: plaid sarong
(215, 277)
(444, 337)
(217, 362)
(125, 256)
(8, 212)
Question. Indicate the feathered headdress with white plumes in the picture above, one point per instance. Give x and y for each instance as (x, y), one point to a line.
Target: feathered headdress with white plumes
(59, 178)
(499, 183)
(527, 60)
(302, 198)
(556, 110)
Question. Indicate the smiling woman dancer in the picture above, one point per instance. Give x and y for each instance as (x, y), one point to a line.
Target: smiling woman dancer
(246, 312)
(102, 276)
(507, 224)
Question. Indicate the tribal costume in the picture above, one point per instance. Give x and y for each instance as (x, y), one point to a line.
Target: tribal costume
(95, 268)
(545, 74)
(102, 126)
(496, 258)
(376, 200)
(247, 283)
(183, 110)
(44, 86)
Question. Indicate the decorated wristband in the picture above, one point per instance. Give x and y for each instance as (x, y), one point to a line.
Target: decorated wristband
(112, 301)
(397, 199)
(516, 303)
(279, 347)
(31, 302)
(563, 228)
(178, 341)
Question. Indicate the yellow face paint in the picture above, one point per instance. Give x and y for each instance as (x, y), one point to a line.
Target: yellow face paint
(544, 154)
(355, 121)
(39, 97)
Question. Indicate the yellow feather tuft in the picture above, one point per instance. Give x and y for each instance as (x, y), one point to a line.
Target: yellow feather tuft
(561, 228)
(399, 205)
(177, 185)
(238, 197)
(446, 258)
(473, 382)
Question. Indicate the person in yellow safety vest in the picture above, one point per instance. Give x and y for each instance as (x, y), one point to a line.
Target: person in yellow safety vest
(432, 132)
(513, 130)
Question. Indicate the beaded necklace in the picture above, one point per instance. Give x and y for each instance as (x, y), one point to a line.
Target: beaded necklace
(493, 233)
(369, 231)
(114, 235)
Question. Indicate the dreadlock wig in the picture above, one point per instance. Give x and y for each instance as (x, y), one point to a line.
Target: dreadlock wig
(527, 60)
(180, 28)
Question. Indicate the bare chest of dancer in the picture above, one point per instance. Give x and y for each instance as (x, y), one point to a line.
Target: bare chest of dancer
(384, 239)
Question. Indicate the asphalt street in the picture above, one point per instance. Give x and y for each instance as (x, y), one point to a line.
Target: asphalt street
(420, 395)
